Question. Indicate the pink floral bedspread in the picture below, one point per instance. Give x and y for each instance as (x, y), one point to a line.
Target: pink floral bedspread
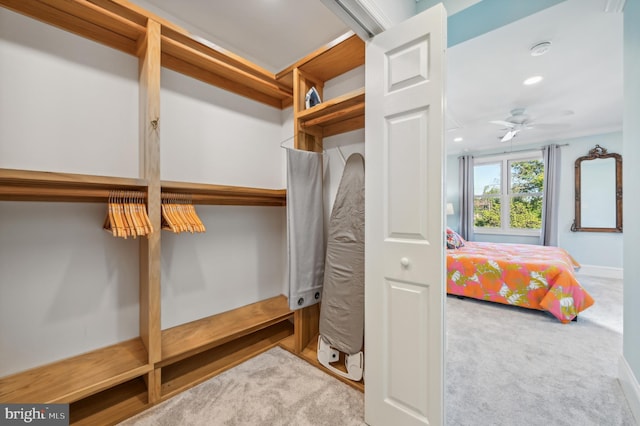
(531, 276)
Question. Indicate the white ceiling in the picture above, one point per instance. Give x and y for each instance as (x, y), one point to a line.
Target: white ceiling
(582, 71)
(270, 33)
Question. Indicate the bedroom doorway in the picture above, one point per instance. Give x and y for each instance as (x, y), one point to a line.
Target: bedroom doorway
(527, 340)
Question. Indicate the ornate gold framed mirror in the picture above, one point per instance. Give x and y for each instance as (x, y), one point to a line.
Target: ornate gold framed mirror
(598, 192)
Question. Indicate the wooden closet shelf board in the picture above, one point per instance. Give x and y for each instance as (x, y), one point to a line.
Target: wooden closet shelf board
(84, 19)
(87, 11)
(206, 76)
(122, 25)
(344, 126)
(338, 115)
(207, 48)
(27, 185)
(191, 371)
(223, 200)
(35, 178)
(227, 195)
(112, 405)
(332, 106)
(196, 58)
(337, 57)
(78, 377)
(198, 336)
(60, 195)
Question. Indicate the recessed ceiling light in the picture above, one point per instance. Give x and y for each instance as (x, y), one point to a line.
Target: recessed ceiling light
(458, 139)
(532, 80)
(540, 49)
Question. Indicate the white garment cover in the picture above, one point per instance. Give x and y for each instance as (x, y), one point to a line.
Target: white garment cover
(305, 223)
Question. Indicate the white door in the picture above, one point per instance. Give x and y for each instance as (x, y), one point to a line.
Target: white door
(404, 223)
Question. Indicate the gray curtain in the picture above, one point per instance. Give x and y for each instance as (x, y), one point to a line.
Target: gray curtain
(466, 197)
(305, 227)
(549, 231)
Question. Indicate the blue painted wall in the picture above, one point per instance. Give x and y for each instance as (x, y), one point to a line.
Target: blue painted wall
(484, 16)
(631, 188)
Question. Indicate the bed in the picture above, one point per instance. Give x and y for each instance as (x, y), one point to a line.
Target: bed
(530, 276)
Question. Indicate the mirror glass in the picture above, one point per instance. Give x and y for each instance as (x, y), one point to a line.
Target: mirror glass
(598, 184)
(598, 192)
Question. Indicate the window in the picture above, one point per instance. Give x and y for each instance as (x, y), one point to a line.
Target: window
(508, 192)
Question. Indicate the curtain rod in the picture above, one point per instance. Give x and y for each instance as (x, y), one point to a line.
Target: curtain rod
(512, 152)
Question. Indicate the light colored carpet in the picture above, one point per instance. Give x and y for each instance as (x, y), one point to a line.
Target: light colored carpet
(274, 388)
(508, 366)
(504, 366)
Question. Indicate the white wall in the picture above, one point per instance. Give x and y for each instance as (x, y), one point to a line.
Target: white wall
(67, 104)
(589, 248)
(338, 148)
(70, 105)
(209, 135)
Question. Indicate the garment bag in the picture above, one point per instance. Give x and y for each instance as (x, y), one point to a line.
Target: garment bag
(305, 223)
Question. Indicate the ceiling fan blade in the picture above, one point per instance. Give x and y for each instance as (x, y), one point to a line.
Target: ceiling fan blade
(509, 135)
(504, 123)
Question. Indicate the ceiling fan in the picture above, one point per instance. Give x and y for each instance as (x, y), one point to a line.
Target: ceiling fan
(519, 121)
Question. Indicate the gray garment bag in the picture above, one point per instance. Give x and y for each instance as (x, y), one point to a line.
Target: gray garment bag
(305, 227)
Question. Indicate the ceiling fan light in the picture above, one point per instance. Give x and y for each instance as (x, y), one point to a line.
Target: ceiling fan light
(532, 80)
(540, 49)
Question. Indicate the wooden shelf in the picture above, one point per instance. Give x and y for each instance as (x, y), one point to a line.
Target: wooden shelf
(26, 185)
(207, 63)
(227, 195)
(189, 339)
(85, 19)
(78, 377)
(191, 371)
(112, 405)
(342, 114)
(123, 26)
(310, 354)
(337, 57)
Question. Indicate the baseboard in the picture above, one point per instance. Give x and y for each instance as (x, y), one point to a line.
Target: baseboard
(601, 271)
(630, 387)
